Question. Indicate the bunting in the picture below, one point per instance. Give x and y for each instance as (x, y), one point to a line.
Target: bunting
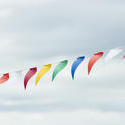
(60, 66)
(42, 72)
(29, 75)
(4, 78)
(93, 60)
(76, 64)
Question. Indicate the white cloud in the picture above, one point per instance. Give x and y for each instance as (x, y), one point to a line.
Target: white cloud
(75, 117)
(40, 32)
(103, 91)
(15, 3)
(5, 13)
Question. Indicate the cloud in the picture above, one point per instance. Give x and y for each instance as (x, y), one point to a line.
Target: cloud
(15, 3)
(5, 13)
(102, 91)
(40, 32)
(76, 117)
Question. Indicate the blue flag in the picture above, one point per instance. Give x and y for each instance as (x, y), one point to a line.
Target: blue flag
(76, 64)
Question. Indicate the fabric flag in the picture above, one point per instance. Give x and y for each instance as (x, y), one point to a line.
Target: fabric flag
(19, 75)
(76, 64)
(112, 53)
(29, 75)
(59, 68)
(4, 78)
(93, 60)
(124, 57)
(42, 72)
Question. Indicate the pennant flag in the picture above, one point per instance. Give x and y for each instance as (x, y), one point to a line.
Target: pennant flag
(93, 60)
(4, 78)
(29, 75)
(112, 53)
(75, 65)
(19, 75)
(42, 72)
(59, 68)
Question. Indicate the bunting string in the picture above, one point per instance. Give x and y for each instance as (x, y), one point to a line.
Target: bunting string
(61, 65)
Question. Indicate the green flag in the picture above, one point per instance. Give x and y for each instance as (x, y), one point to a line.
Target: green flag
(59, 67)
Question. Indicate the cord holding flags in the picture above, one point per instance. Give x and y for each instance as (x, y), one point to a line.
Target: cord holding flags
(61, 66)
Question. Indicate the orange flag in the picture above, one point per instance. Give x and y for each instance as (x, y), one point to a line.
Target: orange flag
(93, 60)
(4, 78)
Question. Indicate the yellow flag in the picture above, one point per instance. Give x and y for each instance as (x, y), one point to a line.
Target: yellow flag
(42, 72)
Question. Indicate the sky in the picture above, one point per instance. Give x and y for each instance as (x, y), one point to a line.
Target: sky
(38, 32)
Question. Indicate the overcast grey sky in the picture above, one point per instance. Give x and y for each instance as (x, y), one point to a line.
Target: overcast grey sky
(41, 31)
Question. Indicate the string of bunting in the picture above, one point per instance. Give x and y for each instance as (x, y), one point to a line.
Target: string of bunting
(59, 67)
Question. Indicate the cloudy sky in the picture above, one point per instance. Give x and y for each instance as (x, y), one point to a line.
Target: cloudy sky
(37, 32)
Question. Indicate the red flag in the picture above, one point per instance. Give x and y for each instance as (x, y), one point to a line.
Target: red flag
(124, 57)
(93, 60)
(4, 78)
(29, 75)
